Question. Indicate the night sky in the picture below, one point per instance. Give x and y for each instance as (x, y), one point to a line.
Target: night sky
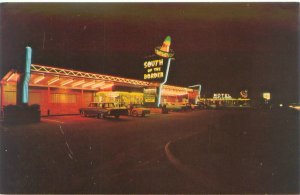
(226, 47)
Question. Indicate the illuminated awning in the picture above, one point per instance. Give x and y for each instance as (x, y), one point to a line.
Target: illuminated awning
(46, 76)
(169, 90)
(11, 76)
(60, 72)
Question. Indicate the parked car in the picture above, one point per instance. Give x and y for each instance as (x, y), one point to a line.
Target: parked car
(178, 107)
(138, 110)
(102, 110)
(199, 106)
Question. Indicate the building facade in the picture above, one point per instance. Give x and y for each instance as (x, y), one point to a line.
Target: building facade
(61, 91)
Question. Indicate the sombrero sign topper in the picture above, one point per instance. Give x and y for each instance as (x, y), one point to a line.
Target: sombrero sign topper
(165, 50)
(156, 65)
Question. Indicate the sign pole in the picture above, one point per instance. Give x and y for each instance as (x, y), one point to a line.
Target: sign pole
(161, 84)
(155, 68)
(199, 91)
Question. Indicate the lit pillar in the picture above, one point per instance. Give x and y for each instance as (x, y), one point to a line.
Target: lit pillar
(22, 88)
(26, 75)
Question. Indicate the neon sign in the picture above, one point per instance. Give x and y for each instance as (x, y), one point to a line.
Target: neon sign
(154, 69)
(148, 98)
(244, 93)
(157, 67)
(149, 95)
(165, 50)
(222, 96)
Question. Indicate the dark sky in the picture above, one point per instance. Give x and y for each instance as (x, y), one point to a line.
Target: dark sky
(226, 47)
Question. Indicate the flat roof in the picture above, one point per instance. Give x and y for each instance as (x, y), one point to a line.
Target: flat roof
(47, 76)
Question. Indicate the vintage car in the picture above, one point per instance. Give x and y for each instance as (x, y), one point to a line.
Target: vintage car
(138, 110)
(176, 107)
(102, 110)
(199, 106)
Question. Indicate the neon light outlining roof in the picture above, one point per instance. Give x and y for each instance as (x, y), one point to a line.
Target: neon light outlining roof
(170, 87)
(55, 75)
(66, 72)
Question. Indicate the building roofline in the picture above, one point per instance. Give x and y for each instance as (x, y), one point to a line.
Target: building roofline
(37, 68)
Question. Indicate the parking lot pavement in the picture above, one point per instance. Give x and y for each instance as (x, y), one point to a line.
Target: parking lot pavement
(74, 154)
(78, 118)
(252, 152)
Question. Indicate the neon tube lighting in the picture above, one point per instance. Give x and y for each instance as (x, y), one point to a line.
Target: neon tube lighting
(53, 80)
(177, 88)
(199, 89)
(78, 83)
(165, 80)
(66, 82)
(38, 79)
(172, 93)
(26, 77)
(107, 86)
(65, 72)
(88, 84)
(98, 85)
(10, 76)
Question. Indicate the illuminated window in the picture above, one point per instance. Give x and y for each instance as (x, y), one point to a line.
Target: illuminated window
(9, 97)
(63, 98)
(35, 98)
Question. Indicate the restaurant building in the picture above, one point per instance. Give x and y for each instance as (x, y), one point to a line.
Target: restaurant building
(61, 91)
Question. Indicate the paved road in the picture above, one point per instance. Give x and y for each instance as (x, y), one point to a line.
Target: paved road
(71, 154)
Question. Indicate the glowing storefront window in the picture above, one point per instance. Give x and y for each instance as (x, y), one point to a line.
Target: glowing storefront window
(35, 98)
(120, 98)
(63, 98)
(10, 97)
